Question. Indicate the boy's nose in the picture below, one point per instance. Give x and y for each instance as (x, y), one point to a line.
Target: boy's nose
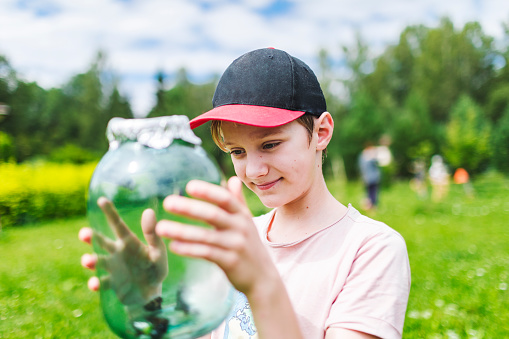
(256, 167)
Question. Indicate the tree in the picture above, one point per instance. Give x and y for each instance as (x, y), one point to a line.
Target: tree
(184, 98)
(501, 143)
(160, 108)
(438, 63)
(498, 99)
(410, 127)
(84, 118)
(91, 99)
(467, 137)
(117, 106)
(8, 80)
(361, 125)
(358, 62)
(452, 63)
(393, 76)
(42, 121)
(498, 96)
(24, 122)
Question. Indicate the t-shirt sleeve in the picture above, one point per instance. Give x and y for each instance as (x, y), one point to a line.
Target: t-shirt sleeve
(374, 296)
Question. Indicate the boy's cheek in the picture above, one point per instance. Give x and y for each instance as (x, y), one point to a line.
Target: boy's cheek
(239, 170)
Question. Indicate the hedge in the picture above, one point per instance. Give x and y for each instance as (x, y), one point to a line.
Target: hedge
(40, 191)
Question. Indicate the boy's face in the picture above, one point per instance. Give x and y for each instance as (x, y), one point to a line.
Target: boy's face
(278, 164)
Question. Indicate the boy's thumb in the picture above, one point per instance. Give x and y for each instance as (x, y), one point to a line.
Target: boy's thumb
(235, 187)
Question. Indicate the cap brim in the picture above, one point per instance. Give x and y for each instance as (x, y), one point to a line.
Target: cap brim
(260, 116)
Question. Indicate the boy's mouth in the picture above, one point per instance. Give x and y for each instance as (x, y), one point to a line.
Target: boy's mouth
(267, 185)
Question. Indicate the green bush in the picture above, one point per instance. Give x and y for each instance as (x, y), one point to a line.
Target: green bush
(6, 148)
(71, 153)
(34, 192)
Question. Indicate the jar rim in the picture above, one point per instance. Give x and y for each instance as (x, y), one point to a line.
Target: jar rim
(158, 132)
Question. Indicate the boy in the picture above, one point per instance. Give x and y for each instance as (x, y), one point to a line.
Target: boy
(311, 267)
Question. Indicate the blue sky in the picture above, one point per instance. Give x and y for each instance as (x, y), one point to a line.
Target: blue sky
(49, 41)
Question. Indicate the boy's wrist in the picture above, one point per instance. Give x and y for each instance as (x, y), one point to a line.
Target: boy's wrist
(272, 310)
(266, 291)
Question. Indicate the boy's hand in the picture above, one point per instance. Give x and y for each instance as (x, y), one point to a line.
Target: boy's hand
(233, 243)
(136, 271)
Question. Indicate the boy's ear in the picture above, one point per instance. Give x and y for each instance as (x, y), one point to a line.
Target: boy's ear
(324, 128)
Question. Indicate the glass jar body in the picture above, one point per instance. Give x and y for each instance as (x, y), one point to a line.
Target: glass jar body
(196, 295)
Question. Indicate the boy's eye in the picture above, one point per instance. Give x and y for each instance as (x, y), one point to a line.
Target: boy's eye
(270, 145)
(236, 152)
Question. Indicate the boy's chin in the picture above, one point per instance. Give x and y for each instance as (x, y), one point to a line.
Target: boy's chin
(270, 203)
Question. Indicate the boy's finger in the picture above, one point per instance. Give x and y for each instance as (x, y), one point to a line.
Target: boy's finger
(93, 284)
(103, 262)
(214, 194)
(235, 187)
(104, 243)
(85, 235)
(198, 210)
(224, 258)
(106, 263)
(88, 261)
(148, 226)
(116, 223)
(197, 234)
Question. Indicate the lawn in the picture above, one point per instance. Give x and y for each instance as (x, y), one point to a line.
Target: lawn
(459, 255)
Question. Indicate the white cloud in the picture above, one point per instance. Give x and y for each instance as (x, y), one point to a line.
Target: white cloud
(49, 41)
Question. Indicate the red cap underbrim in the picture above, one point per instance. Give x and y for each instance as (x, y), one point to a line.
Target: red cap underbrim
(260, 116)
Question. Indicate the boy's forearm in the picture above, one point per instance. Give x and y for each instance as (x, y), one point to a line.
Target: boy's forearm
(273, 312)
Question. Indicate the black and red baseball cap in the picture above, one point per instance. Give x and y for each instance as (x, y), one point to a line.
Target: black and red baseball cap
(265, 88)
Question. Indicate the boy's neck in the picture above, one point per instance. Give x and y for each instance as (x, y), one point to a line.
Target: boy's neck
(299, 219)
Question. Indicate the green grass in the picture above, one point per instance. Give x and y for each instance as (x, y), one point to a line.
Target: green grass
(43, 290)
(459, 255)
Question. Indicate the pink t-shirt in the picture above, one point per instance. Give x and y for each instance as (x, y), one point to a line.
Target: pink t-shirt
(354, 274)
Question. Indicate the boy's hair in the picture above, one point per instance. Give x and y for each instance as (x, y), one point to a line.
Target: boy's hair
(306, 120)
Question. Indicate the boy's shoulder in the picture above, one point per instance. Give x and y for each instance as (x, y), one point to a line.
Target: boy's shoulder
(366, 222)
(369, 231)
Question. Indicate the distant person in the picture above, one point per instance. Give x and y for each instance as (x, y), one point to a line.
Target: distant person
(371, 174)
(418, 182)
(461, 177)
(439, 178)
(383, 151)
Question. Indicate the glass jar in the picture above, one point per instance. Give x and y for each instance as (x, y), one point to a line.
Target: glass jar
(149, 159)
